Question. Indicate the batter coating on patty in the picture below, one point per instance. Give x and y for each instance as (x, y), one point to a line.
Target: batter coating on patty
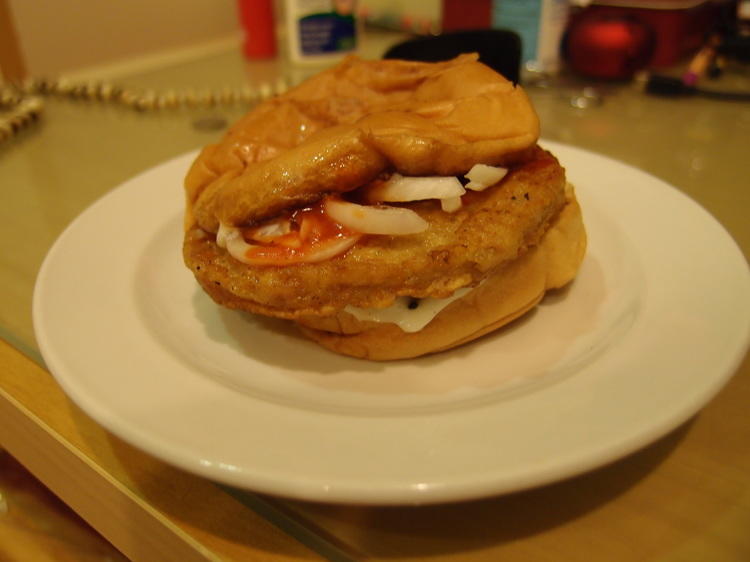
(458, 249)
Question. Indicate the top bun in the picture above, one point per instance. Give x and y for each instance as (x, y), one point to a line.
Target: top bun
(414, 118)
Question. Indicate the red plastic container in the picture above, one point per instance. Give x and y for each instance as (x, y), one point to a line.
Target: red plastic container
(257, 20)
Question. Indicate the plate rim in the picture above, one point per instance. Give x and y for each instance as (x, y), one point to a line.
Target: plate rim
(398, 492)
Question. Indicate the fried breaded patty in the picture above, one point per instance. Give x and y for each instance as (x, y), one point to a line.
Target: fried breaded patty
(459, 249)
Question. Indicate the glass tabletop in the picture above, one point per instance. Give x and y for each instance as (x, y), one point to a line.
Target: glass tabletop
(79, 150)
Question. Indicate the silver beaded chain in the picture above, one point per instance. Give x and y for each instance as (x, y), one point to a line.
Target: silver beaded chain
(22, 104)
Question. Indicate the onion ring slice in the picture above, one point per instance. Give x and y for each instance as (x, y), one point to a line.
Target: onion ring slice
(380, 219)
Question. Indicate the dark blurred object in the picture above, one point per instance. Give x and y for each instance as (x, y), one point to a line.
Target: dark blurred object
(733, 27)
(499, 49)
(728, 42)
(460, 15)
(539, 23)
(608, 46)
(257, 21)
(670, 86)
(679, 26)
(736, 46)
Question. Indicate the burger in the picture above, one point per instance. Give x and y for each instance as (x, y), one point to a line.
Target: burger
(389, 208)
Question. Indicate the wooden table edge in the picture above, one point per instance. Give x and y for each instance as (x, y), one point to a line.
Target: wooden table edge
(94, 489)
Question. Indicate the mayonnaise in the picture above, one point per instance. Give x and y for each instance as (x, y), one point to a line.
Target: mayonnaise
(408, 318)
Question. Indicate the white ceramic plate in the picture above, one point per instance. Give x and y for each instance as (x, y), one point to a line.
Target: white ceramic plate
(655, 323)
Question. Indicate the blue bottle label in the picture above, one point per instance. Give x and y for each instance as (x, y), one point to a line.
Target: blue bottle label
(327, 33)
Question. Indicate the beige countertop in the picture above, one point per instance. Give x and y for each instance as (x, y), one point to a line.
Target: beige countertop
(686, 497)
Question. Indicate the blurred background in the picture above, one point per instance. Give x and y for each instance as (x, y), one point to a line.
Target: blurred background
(608, 39)
(50, 38)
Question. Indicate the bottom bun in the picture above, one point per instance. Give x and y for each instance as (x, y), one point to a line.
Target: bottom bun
(506, 295)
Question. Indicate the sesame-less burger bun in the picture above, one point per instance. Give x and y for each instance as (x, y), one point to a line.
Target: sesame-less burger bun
(379, 183)
(506, 295)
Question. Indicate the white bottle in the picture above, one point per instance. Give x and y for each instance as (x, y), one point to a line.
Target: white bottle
(318, 32)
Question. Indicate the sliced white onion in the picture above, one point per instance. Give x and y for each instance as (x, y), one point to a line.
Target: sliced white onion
(235, 244)
(221, 236)
(375, 220)
(329, 249)
(243, 252)
(271, 230)
(409, 188)
(482, 176)
(450, 204)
